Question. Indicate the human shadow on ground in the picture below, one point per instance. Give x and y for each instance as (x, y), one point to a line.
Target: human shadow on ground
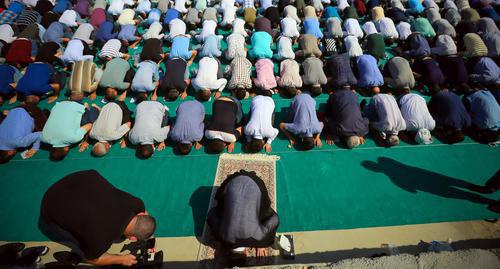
(414, 179)
(199, 202)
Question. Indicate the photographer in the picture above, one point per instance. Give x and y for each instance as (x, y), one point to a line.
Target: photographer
(86, 210)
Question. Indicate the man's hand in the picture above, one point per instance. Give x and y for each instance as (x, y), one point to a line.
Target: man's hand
(230, 148)
(83, 146)
(128, 260)
(161, 146)
(261, 252)
(268, 148)
(361, 140)
(329, 139)
(30, 153)
(317, 142)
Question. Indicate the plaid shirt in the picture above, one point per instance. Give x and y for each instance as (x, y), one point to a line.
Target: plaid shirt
(240, 69)
(249, 4)
(7, 17)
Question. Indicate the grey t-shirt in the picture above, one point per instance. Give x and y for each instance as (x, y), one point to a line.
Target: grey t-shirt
(189, 124)
(147, 128)
(313, 72)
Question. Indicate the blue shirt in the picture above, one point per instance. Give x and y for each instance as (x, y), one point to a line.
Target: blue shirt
(16, 6)
(330, 12)
(261, 45)
(16, 131)
(63, 126)
(484, 110)
(369, 74)
(311, 26)
(127, 32)
(143, 79)
(449, 111)
(170, 15)
(305, 121)
(344, 115)
(8, 75)
(180, 48)
(36, 79)
(105, 32)
(211, 47)
(189, 124)
(486, 71)
(54, 33)
(61, 6)
(154, 15)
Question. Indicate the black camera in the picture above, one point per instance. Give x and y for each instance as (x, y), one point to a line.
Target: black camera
(140, 249)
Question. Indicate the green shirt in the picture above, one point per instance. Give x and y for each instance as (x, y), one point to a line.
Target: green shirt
(114, 74)
(63, 126)
(261, 45)
(423, 26)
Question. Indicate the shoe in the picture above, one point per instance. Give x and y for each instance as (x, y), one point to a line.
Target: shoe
(9, 252)
(39, 251)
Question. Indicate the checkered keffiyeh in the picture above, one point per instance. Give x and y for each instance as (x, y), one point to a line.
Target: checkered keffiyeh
(240, 70)
(7, 17)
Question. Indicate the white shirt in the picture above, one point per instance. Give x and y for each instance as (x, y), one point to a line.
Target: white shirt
(390, 121)
(239, 27)
(291, 12)
(30, 3)
(116, 7)
(177, 27)
(289, 27)
(342, 4)
(84, 32)
(369, 28)
(6, 33)
(228, 15)
(285, 50)
(207, 72)
(147, 128)
(154, 31)
(260, 125)
(207, 30)
(108, 126)
(404, 30)
(352, 28)
(68, 18)
(127, 17)
(180, 5)
(352, 46)
(235, 46)
(415, 112)
(387, 28)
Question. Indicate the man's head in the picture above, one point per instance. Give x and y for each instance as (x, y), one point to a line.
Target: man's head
(203, 95)
(101, 148)
(392, 140)
(6, 155)
(423, 136)
(290, 91)
(255, 145)
(488, 136)
(452, 136)
(58, 154)
(352, 141)
(140, 97)
(31, 100)
(307, 143)
(141, 227)
(316, 90)
(173, 94)
(184, 148)
(110, 94)
(267, 93)
(216, 146)
(144, 151)
(76, 96)
(240, 93)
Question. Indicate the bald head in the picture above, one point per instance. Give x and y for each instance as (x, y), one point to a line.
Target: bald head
(100, 149)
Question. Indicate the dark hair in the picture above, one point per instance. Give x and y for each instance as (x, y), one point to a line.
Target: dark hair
(240, 93)
(316, 90)
(144, 151)
(307, 143)
(58, 154)
(184, 148)
(173, 94)
(203, 95)
(454, 136)
(267, 93)
(256, 145)
(140, 97)
(110, 94)
(290, 91)
(488, 136)
(144, 227)
(216, 146)
(5, 156)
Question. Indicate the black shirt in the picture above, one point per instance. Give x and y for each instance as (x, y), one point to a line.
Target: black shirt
(174, 76)
(151, 50)
(454, 69)
(225, 117)
(344, 115)
(87, 206)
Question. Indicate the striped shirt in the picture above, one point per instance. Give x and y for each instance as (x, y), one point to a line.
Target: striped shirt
(111, 49)
(28, 17)
(474, 45)
(84, 77)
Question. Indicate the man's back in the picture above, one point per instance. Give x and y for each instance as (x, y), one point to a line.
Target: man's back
(63, 126)
(147, 127)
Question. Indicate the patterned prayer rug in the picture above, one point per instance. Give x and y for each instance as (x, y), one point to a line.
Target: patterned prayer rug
(210, 254)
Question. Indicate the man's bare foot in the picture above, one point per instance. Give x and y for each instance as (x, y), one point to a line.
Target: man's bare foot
(184, 95)
(161, 146)
(154, 97)
(83, 146)
(51, 99)
(1, 100)
(93, 95)
(13, 99)
(268, 148)
(123, 143)
(291, 143)
(230, 148)
(122, 96)
(197, 145)
(217, 94)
